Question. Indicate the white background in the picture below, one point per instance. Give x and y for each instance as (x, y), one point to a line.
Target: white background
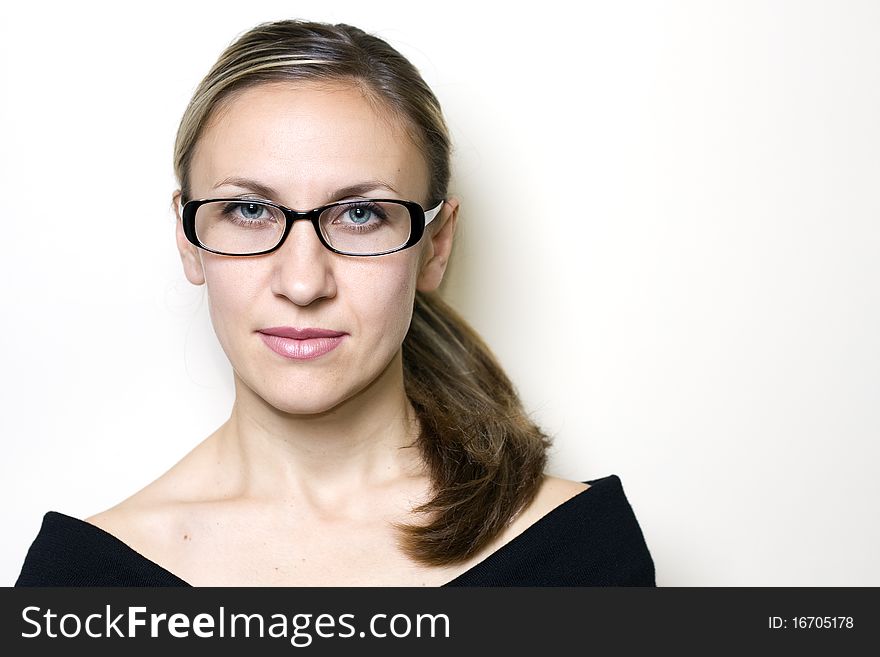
(669, 235)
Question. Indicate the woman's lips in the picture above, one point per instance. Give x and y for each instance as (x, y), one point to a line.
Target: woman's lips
(312, 343)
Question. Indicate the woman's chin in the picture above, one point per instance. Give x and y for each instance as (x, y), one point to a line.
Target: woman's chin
(302, 406)
(307, 410)
(316, 393)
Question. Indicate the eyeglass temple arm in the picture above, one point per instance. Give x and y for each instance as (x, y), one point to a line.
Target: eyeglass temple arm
(431, 214)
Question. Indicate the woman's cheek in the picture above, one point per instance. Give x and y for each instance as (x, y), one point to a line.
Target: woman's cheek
(229, 296)
(390, 301)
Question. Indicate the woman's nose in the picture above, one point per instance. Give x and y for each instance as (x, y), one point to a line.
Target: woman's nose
(303, 266)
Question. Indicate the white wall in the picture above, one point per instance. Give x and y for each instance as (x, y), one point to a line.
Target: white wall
(670, 237)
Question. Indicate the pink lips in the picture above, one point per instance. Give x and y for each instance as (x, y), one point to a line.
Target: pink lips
(301, 344)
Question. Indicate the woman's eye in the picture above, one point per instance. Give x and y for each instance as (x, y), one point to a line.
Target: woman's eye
(251, 211)
(359, 215)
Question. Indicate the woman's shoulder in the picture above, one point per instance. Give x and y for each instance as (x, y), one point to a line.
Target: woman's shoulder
(68, 551)
(553, 492)
(146, 519)
(107, 548)
(117, 546)
(136, 522)
(594, 503)
(573, 534)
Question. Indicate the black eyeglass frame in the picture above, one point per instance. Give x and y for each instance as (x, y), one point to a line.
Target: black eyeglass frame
(419, 218)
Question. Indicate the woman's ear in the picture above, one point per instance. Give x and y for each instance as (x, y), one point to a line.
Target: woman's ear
(189, 256)
(435, 255)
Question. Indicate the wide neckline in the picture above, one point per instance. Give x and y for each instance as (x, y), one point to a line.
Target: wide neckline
(489, 560)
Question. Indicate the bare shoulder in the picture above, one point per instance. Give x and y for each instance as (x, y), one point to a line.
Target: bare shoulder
(119, 521)
(556, 490)
(553, 492)
(139, 521)
(146, 519)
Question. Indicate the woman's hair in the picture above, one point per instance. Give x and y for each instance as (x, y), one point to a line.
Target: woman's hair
(485, 456)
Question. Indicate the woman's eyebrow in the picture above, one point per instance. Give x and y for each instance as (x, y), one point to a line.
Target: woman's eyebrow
(343, 192)
(361, 188)
(247, 183)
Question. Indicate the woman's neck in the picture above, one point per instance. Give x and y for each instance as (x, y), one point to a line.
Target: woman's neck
(366, 443)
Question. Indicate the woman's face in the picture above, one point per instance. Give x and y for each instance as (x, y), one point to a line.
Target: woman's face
(303, 145)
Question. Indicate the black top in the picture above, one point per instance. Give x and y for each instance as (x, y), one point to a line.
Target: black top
(592, 539)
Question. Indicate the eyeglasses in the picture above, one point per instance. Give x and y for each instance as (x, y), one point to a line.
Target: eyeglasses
(365, 227)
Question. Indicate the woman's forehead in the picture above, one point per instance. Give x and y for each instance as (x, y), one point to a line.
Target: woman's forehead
(307, 138)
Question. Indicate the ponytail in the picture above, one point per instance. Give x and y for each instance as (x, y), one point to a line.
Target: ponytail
(485, 456)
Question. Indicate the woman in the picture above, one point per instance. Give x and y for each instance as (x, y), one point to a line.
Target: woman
(374, 439)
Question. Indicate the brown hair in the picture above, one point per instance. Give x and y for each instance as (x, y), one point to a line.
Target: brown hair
(485, 456)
